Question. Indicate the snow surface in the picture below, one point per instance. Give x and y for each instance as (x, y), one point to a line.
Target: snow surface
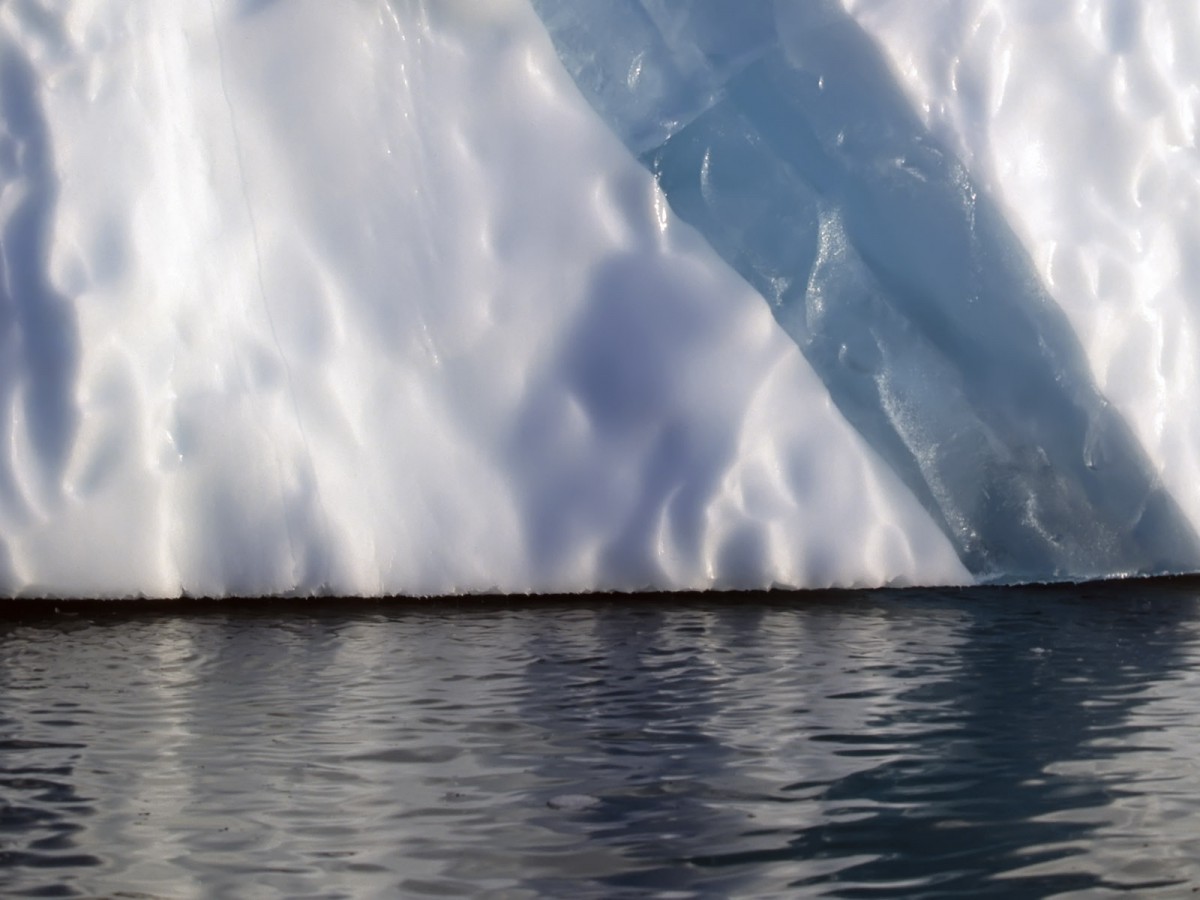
(367, 297)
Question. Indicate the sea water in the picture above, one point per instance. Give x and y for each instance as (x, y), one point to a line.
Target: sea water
(932, 743)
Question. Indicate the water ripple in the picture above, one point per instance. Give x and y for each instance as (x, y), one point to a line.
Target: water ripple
(925, 744)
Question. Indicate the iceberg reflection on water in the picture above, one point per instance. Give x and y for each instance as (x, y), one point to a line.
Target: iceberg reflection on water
(1005, 742)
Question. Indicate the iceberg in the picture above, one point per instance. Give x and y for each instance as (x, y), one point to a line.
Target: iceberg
(439, 296)
(786, 141)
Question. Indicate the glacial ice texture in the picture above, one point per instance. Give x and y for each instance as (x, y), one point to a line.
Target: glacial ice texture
(784, 137)
(364, 298)
(427, 296)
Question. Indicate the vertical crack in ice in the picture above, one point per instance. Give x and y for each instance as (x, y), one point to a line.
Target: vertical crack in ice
(270, 318)
(926, 318)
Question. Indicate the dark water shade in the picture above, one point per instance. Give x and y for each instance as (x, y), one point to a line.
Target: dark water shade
(1000, 742)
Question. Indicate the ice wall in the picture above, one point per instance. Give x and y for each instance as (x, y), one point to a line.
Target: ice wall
(424, 297)
(364, 298)
(783, 135)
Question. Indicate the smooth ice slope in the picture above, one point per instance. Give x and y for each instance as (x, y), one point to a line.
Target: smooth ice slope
(363, 297)
(782, 134)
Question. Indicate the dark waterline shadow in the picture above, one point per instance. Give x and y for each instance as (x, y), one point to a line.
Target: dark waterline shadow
(1163, 588)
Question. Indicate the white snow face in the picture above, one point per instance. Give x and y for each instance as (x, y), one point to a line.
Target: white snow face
(386, 296)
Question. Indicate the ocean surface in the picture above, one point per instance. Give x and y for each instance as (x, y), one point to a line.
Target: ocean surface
(915, 743)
